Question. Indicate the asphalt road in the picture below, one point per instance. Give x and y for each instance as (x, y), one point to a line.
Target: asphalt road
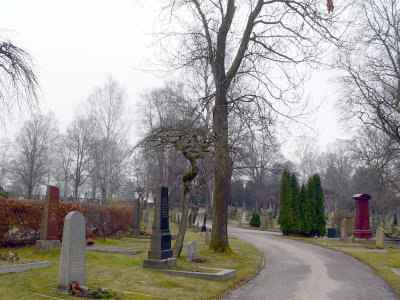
(296, 270)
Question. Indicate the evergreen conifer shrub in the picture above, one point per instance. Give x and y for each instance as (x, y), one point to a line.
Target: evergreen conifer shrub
(255, 220)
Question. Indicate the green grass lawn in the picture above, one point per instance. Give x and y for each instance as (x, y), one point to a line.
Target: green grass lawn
(381, 263)
(123, 272)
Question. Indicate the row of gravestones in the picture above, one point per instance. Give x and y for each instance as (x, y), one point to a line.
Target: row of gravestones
(73, 246)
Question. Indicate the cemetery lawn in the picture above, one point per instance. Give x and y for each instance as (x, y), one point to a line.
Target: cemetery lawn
(380, 262)
(124, 272)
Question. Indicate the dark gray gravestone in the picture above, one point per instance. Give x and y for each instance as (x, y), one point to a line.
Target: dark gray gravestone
(160, 254)
(136, 217)
(73, 251)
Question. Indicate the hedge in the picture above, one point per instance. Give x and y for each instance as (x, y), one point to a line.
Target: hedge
(20, 220)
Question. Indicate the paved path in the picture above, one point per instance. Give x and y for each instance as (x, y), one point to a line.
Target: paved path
(296, 270)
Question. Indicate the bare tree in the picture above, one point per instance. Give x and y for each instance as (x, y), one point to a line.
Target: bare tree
(245, 41)
(5, 153)
(79, 141)
(18, 82)
(34, 150)
(109, 148)
(371, 65)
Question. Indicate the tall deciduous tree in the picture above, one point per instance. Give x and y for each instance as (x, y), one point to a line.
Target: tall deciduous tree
(18, 82)
(243, 41)
(110, 149)
(34, 151)
(371, 65)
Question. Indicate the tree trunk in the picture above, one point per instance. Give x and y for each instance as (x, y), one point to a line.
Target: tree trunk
(222, 175)
(183, 224)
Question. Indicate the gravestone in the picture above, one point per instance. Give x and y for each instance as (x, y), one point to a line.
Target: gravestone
(118, 235)
(191, 251)
(136, 217)
(362, 226)
(149, 224)
(343, 230)
(380, 238)
(160, 254)
(204, 227)
(207, 237)
(244, 217)
(49, 229)
(264, 219)
(73, 251)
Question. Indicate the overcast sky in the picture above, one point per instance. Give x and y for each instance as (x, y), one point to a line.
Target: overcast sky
(76, 45)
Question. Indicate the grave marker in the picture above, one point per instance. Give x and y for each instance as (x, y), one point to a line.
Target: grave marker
(160, 254)
(362, 227)
(191, 251)
(73, 251)
(380, 238)
(136, 217)
(49, 229)
(343, 230)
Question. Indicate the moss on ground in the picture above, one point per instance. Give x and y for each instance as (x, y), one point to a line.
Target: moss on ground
(124, 272)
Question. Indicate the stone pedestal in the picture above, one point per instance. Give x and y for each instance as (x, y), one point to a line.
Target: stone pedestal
(49, 229)
(160, 254)
(362, 223)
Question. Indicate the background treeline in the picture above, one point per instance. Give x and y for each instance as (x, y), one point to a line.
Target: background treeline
(301, 209)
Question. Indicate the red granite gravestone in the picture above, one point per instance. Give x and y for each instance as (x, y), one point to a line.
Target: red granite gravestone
(362, 223)
(49, 229)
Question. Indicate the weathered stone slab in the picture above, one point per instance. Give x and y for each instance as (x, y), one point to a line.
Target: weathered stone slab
(380, 238)
(222, 275)
(136, 217)
(73, 251)
(343, 230)
(118, 235)
(191, 251)
(115, 250)
(24, 267)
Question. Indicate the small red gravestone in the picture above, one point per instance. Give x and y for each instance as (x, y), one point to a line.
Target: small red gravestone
(49, 230)
(362, 226)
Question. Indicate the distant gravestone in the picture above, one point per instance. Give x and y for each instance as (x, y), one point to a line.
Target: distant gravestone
(118, 235)
(264, 219)
(191, 251)
(244, 217)
(49, 229)
(343, 230)
(380, 238)
(136, 217)
(73, 251)
(160, 254)
(204, 227)
(207, 238)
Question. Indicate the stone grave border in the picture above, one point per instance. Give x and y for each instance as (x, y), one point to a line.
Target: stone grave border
(24, 267)
(114, 250)
(222, 275)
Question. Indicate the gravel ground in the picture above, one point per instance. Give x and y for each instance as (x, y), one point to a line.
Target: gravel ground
(296, 270)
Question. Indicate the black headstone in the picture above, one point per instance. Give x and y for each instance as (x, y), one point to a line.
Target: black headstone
(160, 254)
(204, 227)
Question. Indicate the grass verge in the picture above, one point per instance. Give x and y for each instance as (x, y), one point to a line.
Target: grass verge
(380, 262)
(123, 272)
